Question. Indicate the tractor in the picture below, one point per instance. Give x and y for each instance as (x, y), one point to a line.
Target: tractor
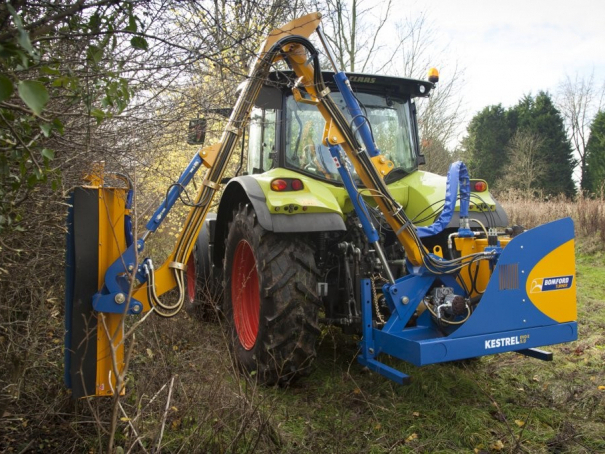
(286, 252)
(331, 223)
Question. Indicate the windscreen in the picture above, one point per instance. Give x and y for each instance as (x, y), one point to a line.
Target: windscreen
(389, 120)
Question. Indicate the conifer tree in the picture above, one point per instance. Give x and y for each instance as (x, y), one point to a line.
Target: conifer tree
(594, 178)
(485, 145)
(540, 116)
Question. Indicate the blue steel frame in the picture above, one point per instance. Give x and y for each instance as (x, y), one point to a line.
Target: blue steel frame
(116, 276)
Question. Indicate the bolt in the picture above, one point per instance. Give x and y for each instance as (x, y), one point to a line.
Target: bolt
(136, 309)
(371, 351)
(405, 300)
(334, 139)
(382, 160)
(130, 267)
(120, 298)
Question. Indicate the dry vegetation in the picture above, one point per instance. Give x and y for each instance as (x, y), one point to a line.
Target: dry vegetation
(588, 214)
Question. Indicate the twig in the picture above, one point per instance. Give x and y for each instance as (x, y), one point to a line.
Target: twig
(158, 448)
(130, 423)
(134, 430)
(27, 447)
(518, 444)
(152, 399)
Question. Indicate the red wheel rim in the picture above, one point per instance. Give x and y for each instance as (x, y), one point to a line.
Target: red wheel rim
(191, 276)
(245, 295)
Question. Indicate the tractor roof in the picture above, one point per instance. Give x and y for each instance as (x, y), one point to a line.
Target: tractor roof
(367, 83)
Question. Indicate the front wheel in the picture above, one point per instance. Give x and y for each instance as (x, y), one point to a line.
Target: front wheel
(271, 301)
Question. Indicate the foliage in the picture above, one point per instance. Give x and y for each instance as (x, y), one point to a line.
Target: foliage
(498, 139)
(485, 146)
(57, 60)
(540, 116)
(101, 82)
(438, 157)
(500, 403)
(594, 180)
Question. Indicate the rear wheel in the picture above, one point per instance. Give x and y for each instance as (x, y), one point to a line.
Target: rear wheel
(191, 280)
(271, 302)
(204, 283)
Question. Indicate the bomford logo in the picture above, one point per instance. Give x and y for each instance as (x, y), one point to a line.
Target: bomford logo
(545, 284)
(363, 80)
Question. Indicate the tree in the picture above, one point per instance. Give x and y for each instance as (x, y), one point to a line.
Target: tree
(525, 166)
(594, 181)
(578, 100)
(539, 116)
(485, 146)
(438, 157)
(439, 115)
(355, 30)
(73, 74)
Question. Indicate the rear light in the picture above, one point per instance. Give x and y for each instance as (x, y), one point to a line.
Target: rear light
(279, 185)
(478, 186)
(287, 184)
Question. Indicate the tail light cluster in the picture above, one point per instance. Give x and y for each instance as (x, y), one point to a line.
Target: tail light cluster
(478, 186)
(287, 184)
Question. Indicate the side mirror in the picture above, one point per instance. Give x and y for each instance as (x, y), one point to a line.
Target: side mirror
(421, 160)
(197, 131)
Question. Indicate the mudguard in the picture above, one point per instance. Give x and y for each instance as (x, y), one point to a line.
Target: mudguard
(330, 219)
(246, 189)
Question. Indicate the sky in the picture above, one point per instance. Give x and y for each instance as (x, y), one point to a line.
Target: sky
(510, 48)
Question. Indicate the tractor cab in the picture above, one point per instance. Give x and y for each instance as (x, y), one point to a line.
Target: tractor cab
(287, 133)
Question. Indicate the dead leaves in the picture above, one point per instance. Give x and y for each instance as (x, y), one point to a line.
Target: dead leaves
(411, 438)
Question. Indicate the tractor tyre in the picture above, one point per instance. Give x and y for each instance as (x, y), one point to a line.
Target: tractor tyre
(204, 284)
(271, 303)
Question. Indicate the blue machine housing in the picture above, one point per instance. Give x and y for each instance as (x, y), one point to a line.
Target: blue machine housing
(505, 319)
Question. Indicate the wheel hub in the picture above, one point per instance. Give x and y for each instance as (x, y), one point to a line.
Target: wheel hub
(245, 295)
